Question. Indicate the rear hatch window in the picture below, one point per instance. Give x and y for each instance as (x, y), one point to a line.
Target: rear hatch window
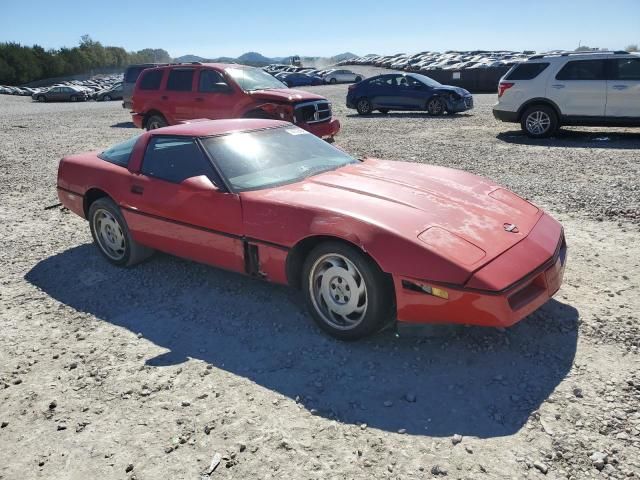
(526, 71)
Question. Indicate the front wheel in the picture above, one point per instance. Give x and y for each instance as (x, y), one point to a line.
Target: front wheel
(333, 80)
(358, 79)
(156, 121)
(347, 294)
(539, 121)
(42, 98)
(435, 106)
(364, 106)
(111, 234)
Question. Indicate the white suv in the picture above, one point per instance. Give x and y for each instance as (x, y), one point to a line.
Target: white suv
(547, 91)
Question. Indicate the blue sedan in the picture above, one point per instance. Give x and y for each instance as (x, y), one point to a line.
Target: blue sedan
(407, 91)
(299, 79)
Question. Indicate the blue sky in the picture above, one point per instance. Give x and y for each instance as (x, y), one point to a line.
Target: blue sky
(325, 27)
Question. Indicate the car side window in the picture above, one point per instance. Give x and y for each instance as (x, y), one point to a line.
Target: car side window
(627, 69)
(175, 159)
(582, 70)
(180, 79)
(211, 81)
(151, 80)
(526, 71)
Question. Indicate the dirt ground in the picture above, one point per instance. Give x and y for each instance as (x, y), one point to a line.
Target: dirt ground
(151, 372)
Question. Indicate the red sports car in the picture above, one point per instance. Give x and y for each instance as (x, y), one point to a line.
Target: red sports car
(368, 241)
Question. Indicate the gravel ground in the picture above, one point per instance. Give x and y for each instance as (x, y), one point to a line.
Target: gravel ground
(153, 372)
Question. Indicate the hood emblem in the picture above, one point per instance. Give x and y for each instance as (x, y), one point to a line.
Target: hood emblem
(511, 228)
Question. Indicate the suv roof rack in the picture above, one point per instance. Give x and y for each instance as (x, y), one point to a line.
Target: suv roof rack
(586, 52)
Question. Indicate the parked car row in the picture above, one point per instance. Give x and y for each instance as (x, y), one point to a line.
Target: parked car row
(99, 88)
(451, 60)
(296, 75)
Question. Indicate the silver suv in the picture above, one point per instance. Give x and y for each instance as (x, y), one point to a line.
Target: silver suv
(549, 91)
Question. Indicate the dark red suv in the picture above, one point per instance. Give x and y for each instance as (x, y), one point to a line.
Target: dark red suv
(174, 93)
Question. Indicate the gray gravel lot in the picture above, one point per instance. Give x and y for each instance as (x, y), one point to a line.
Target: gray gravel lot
(149, 372)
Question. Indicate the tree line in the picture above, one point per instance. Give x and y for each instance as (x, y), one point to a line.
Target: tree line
(21, 64)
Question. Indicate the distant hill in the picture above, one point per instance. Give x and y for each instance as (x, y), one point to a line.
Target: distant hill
(258, 60)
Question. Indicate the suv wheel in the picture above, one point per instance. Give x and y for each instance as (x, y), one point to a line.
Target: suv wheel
(364, 106)
(156, 121)
(539, 121)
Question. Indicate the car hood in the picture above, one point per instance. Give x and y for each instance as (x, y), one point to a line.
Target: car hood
(461, 216)
(285, 95)
(451, 89)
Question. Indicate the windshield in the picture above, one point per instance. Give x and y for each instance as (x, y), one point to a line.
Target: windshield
(276, 156)
(430, 82)
(254, 79)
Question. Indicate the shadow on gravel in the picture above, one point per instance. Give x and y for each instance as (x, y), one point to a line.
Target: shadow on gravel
(474, 381)
(448, 116)
(577, 139)
(123, 125)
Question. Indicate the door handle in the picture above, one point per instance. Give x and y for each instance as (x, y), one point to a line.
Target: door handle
(199, 99)
(620, 87)
(137, 189)
(164, 97)
(558, 86)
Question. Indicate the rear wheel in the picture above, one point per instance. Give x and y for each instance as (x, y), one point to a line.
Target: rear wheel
(107, 98)
(539, 121)
(435, 106)
(42, 98)
(156, 121)
(333, 80)
(346, 292)
(358, 79)
(111, 234)
(364, 106)
(74, 98)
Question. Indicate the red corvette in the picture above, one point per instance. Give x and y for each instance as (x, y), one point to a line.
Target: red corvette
(368, 242)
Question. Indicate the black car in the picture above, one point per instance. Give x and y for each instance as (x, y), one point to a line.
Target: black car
(407, 91)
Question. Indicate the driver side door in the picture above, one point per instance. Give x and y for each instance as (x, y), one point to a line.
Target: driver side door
(176, 203)
(214, 98)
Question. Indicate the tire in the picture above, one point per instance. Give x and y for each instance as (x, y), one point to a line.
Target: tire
(539, 121)
(333, 80)
(111, 235)
(364, 107)
(435, 106)
(41, 98)
(383, 111)
(73, 98)
(363, 302)
(155, 121)
(107, 98)
(358, 79)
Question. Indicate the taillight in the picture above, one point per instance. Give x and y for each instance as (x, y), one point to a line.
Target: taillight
(503, 87)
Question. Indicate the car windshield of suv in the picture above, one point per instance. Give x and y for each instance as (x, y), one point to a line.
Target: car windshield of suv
(271, 157)
(429, 82)
(254, 79)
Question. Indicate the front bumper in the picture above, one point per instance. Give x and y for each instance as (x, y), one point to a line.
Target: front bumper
(137, 119)
(325, 130)
(461, 105)
(473, 306)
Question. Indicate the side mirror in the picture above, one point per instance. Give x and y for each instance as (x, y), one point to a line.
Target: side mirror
(201, 183)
